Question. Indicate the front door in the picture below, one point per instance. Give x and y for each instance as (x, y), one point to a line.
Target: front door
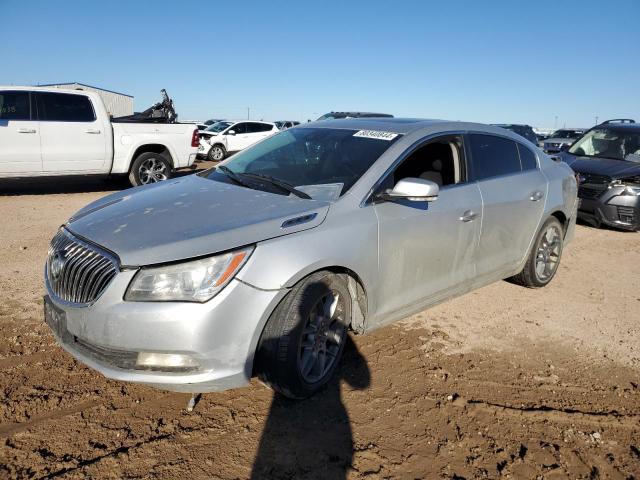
(19, 134)
(426, 250)
(240, 140)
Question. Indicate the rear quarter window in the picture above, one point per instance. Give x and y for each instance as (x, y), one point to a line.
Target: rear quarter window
(527, 158)
(493, 156)
(14, 106)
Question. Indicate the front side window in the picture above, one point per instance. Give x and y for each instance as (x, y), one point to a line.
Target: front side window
(440, 161)
(493, 156)
(309, 156)
(14, 106)
(239, 128)
(608, 143)
(64, 107)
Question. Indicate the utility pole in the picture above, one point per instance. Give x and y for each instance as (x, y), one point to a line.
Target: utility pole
(555, 123)
(596, 119)
(248, 110)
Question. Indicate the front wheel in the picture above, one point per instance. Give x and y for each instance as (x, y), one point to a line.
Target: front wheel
(216, 153)
(303, 339)
(148, 168)
(544, 258)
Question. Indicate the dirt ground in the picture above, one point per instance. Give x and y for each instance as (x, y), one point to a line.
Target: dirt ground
(504, 381)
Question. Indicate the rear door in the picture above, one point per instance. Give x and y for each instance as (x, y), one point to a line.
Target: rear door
(19, 134)
(257, 131)
(513, 194)
(73, 138)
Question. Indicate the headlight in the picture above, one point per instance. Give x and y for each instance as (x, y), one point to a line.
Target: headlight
(632, 185)
(194, 281)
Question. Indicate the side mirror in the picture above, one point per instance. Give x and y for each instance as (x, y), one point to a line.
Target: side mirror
(414, 190)
(231, 132)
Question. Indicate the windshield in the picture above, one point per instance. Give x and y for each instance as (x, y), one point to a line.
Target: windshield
(218, 127)
(565, 134)
(607, 143)
(312, 156)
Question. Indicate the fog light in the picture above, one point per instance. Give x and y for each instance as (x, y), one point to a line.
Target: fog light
(166, 361)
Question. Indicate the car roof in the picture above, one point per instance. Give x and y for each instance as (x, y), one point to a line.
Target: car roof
(410, 125)
(77, 91)
(633, 127)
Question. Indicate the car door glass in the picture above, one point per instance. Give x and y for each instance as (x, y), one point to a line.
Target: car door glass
(64, 107)
(239, 128)
(14, 106)
(527, 158)
(493, 156)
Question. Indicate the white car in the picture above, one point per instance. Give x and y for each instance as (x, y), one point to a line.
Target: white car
(50, 131)
(223, 138)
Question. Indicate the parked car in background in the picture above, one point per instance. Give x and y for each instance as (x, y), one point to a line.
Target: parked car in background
(211, 121)
(606, 160)
(562, 138)
(201, 126)
(322, 228)
(223, 138)
(48, 131)
(524, 131)
(284, 124)
(338, 115)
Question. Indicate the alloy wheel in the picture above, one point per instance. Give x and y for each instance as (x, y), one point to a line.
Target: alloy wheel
(152, 170)
(548, 254)
(322, 338)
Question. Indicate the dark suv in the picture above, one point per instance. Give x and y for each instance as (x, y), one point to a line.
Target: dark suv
(606, 160)
(523, 130)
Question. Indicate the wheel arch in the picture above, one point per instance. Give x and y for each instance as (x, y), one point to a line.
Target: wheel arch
(158, 148)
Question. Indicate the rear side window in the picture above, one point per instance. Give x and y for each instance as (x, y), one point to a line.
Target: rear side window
(258, 127)
(493, 156)
(14, 106)
(527, 158)
(65, 107)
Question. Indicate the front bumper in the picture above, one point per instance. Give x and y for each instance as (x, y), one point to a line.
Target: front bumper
(610, 208)
(220, 335)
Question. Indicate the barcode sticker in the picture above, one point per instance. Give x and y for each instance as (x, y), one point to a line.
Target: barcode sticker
(376, 134)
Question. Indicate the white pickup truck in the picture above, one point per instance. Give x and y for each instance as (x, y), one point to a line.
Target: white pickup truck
(50, 131)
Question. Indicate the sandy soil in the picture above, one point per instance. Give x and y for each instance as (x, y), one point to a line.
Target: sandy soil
(504, 381)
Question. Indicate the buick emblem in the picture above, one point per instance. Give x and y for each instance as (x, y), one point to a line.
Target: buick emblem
(57, 264)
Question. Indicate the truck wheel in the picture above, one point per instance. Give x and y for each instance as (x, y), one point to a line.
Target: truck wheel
(544, 258)
(303, 339)
(148, 168)
(216, 153)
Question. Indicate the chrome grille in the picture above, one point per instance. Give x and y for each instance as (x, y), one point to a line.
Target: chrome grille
(78, 272)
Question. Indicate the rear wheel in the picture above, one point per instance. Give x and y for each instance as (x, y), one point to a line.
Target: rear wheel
(544, 258)
(216, 153)
(148, 168)
(303, 340)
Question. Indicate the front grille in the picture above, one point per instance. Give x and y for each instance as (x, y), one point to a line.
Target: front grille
(626, 214)
(78, 272)
(592, 185)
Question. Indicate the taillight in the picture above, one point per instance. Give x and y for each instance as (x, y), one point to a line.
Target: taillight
(195, 139)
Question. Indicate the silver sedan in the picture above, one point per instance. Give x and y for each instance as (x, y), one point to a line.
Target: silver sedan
(261, 265)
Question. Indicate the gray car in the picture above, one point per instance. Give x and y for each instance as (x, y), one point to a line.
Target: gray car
(561, 139)
(261, 265)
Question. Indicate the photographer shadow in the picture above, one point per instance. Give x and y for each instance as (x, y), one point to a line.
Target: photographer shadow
(312, 438)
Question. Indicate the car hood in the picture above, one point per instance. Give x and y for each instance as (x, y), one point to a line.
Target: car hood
(602, 166)
(190, 217)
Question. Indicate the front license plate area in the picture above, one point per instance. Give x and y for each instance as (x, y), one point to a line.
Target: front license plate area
(54, 317)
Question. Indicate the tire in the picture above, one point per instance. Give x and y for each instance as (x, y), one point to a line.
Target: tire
(290, 350)
(216, 153)
(544, 257)
(149, 168)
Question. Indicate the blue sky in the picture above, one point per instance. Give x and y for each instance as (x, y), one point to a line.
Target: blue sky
(487, 61)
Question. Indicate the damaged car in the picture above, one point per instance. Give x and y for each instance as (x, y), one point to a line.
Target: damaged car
(318, 230)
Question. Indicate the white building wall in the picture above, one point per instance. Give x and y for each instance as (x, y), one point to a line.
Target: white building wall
(117, 104)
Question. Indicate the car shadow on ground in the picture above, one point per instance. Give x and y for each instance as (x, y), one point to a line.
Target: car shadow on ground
(76, 183)
(312, 438)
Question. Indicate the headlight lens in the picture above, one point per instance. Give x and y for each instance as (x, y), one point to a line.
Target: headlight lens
(194, 281)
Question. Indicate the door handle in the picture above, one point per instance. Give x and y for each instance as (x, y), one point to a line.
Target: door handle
(26, 130)
(536, 196)
(469, 216)
(94, 131)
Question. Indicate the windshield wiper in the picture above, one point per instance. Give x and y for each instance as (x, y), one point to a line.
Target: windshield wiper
(279, 183)
(233, 176)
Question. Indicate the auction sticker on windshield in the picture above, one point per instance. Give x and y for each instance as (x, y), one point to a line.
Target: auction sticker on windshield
(376, 134)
